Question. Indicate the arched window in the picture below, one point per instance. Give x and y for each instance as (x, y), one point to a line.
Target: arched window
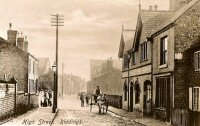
(137, 92)
(125, 90)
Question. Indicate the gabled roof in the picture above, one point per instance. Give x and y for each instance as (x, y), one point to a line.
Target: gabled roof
(121, 47)
(125, 42)
(128, 45)
(176, 15)
(147, 23)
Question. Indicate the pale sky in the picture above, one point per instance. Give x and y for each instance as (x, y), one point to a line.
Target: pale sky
(91, 30)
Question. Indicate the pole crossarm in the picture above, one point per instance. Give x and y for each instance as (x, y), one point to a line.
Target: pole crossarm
(57, 20)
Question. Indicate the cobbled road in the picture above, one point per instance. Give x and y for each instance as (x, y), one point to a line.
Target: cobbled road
(71, 114)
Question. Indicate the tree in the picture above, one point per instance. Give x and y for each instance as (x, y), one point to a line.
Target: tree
(45, 81)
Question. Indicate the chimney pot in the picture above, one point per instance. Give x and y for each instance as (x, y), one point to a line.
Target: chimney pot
(11, 37)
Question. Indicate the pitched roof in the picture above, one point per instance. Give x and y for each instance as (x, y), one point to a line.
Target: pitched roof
(128, 45)
(151, 20)
(148, 21)
(125, 42)
(176, 15)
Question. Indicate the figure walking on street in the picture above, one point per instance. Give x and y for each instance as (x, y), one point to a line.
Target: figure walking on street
(82, 99)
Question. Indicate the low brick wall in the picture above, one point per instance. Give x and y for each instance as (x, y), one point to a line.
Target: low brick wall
(23, 104)
(115, 101)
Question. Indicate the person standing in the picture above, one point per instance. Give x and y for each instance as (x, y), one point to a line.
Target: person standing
(87, 98)
(82, 100)
(97, 93)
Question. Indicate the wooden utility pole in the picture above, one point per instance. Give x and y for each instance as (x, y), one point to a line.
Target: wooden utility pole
(63, 65)
(56, 20)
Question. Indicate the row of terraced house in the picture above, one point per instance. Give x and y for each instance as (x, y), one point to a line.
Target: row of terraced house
(161, 64)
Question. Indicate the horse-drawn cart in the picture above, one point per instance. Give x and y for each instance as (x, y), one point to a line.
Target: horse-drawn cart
(101, 102)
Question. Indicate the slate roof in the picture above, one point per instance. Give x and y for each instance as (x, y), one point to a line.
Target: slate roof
(148, 22)
(151, 20)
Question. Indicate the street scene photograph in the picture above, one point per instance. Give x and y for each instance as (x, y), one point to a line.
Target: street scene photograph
(100, 63)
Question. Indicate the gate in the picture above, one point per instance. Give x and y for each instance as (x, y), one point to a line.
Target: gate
(7, 100)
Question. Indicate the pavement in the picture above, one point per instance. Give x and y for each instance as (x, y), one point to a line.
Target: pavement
(38, 116)
(141, 120)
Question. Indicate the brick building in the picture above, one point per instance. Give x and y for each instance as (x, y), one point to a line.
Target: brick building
(172, 52)
(16, 61)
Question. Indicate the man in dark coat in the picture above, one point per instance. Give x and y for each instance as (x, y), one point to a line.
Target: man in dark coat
(96, 93)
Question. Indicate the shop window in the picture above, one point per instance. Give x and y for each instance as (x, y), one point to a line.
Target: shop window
(163, 92)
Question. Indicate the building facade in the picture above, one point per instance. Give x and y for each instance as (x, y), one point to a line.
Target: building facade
(108, 77)
(169, 79)
(14, 60)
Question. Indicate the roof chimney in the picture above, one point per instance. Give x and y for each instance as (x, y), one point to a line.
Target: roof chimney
(20, 42)
(12, 35)
(156, 7)
(26, 45)
(150, 8)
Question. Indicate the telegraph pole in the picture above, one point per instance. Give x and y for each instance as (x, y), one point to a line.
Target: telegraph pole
(62, 77)
(56, 20)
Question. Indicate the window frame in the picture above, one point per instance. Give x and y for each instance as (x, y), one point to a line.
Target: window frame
(164, 50)
(144, 52)
(196, 101)
(133, 58)
(197, 61)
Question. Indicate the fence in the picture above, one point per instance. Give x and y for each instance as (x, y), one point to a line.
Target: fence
(180, 117)
(115, 101)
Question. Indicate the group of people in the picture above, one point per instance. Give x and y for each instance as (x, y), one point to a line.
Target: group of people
(84, 97)
(45, 98)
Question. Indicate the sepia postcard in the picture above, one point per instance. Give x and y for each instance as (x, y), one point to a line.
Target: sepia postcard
(100, 63)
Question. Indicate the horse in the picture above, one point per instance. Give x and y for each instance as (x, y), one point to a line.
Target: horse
(102, 103)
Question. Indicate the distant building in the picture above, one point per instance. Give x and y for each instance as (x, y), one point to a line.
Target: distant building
(108, 77)
(71, 84)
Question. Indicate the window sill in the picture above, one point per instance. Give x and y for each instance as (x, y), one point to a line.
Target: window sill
(163, 66)
(143, 60)
(198, 70)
